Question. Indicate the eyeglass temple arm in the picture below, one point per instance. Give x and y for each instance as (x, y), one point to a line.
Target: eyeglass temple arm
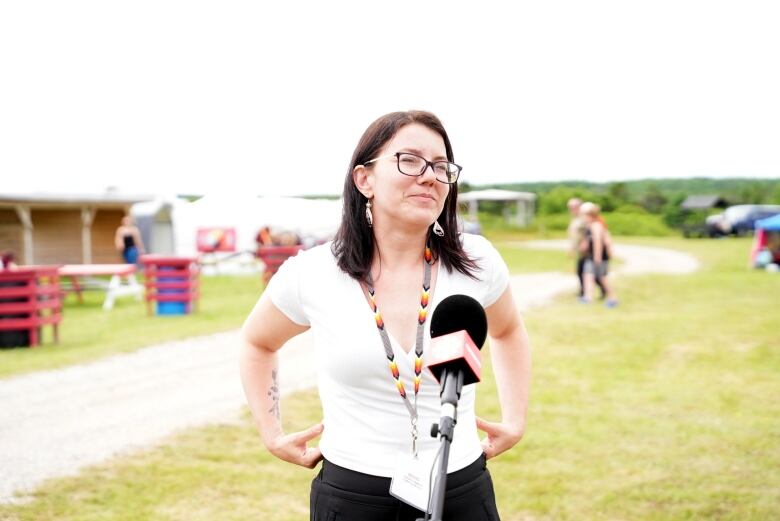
(381, 157)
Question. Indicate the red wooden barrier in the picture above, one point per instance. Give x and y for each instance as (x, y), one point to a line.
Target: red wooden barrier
(171, 279)
(274, 256)
(30, 298)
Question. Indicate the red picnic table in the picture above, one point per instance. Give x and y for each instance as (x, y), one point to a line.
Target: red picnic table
(121, 283)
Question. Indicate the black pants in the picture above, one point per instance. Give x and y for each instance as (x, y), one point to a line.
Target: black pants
(339, 494)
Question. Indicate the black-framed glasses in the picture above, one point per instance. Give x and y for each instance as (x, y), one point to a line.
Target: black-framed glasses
(415, 166)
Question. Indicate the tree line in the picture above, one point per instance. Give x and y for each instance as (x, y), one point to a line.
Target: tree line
(661, 197)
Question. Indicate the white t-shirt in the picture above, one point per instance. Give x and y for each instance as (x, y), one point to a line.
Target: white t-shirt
(367, 425)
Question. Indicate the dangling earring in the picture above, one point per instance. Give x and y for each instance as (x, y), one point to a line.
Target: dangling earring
(437, 229)
(369, 217)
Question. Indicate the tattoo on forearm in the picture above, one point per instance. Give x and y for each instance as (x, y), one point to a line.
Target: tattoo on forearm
(274, 394)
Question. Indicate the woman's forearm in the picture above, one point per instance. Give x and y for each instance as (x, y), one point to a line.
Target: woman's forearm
(598, 244)
(139, 242)
(598, 252)
(265, 331)
(511, 355)
(260, 378)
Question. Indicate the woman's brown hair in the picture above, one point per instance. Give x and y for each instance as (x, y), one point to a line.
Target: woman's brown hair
(353, 245)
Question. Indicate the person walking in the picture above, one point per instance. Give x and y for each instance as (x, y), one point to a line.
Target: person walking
(598, 246)
(366, 297)
(577, 243)
(576, 235)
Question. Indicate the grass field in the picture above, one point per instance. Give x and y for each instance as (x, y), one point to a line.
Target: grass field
(88, 333)
(528, 260)
(665, 408)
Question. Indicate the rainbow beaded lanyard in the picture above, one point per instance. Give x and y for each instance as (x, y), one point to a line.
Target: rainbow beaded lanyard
(422, 315)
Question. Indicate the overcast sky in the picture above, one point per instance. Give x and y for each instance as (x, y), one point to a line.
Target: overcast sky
(271, 97)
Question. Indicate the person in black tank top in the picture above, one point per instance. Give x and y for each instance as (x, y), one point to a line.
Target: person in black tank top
(596, 267)
(128, 241)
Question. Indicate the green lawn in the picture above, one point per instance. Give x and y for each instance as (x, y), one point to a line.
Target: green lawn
(528, 260)
(523, 259)
(665, 408)
(87, 332)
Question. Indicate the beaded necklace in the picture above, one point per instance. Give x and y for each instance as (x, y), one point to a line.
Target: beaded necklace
(422, 315)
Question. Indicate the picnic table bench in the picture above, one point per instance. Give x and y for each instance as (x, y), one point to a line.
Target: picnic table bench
(122, 281)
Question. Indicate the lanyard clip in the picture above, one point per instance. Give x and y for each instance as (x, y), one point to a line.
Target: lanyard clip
(414, 436)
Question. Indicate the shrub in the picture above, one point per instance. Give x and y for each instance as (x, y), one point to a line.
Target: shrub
(631, 208)
(637, 224)
(631, 223)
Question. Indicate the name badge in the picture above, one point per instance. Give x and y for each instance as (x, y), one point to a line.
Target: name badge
(411, 482)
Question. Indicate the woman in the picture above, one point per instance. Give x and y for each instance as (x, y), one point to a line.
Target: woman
(128, 241)
(397, 252)
(597, 253)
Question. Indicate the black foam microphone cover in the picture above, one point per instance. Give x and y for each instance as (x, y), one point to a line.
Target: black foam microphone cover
(458, 313)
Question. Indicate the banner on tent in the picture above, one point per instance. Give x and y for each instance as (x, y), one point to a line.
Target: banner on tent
(213, 239)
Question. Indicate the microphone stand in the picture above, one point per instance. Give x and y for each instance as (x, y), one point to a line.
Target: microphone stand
(451, 387)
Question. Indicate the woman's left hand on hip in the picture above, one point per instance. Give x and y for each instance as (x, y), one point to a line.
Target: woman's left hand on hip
(500, 437)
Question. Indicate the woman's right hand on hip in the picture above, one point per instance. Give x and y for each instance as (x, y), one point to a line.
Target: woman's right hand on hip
(294, 447)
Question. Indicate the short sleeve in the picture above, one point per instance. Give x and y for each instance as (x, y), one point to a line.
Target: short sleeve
(494, 273)
(499, 276)
(285, 291)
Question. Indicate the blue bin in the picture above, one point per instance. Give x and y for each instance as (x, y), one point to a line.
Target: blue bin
(171, 308)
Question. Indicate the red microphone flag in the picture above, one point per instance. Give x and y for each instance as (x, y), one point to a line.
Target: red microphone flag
(455, 351)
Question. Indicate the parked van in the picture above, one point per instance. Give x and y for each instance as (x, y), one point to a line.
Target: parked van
(740, 219)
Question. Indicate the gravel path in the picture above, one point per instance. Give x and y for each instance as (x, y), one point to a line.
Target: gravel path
(53, 423)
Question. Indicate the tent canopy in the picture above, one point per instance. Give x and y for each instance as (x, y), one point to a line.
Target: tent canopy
(770, 223)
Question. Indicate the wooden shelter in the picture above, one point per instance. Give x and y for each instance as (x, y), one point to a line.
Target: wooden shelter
(524, 203)
(63, 228)
(703, 202)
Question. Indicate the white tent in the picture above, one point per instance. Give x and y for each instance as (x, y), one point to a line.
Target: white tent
(312, 220)
(155, 221)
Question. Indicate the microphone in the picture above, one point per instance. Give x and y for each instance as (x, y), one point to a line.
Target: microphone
(458, 331)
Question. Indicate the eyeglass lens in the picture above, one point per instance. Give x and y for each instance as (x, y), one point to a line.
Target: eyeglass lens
(410, 164)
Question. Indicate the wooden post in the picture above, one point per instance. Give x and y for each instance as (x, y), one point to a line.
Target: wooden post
(23, 212)
(87, 216)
